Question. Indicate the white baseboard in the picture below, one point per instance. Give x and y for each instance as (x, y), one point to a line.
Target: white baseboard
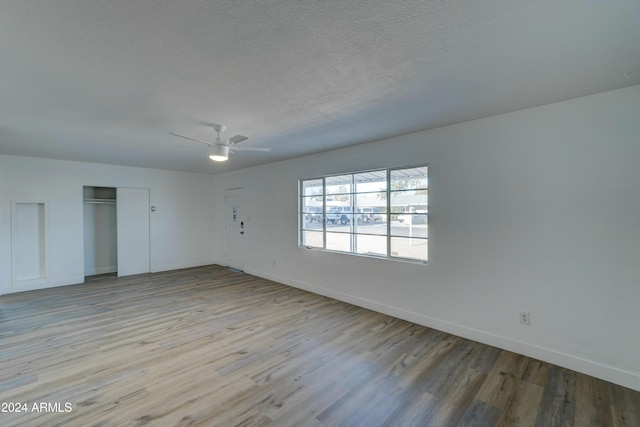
(45, 284)
(590, 367)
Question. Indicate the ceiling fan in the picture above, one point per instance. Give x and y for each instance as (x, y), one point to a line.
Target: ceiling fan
(219, 149)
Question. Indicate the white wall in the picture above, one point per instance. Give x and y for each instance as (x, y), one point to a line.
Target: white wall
(180, 232)
(536, 210)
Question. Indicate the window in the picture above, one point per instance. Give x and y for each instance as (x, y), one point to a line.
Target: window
(382, 213)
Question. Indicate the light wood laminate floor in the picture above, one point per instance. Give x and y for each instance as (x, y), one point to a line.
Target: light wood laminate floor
(214, 347)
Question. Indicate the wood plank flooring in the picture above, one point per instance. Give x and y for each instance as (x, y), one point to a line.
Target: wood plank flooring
(214, 347)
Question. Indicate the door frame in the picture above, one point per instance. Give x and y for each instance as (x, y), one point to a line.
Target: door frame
(234, 227)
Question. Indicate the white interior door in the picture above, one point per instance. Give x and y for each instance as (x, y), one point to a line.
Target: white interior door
(133, 230)
(235, 224)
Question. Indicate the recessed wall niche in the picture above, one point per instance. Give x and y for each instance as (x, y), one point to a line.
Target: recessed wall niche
(28, 241)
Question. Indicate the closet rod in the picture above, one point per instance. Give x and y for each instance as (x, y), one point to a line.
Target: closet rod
(100, 201)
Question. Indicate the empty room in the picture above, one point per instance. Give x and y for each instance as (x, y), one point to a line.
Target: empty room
(319, 213)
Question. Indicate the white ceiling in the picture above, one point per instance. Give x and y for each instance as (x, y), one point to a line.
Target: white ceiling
(105, 81)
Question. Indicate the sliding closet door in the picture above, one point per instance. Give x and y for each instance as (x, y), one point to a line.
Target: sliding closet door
(133, 230)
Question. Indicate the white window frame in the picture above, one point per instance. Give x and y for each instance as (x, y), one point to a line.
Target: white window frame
(304, 213)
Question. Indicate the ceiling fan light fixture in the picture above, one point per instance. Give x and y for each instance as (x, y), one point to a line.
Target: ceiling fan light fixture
(219, 153)
(219, 149)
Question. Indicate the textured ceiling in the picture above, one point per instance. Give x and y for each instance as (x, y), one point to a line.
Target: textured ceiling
(105, 81)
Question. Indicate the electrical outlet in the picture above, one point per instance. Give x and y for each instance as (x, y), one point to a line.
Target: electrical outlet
(525, 318)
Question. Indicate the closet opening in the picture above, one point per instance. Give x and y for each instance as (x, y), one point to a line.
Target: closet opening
(100, 231)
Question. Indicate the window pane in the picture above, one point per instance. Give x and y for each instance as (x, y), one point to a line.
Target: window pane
(311, 204)
(312, 187)
(340, 184)
(334, 200)
(375, 181)
(413, 178)
(400, 200)
(312, 221)
(339, 241)
(370, 200)
(372, 245)
(312, 239)
(412, 248)
(410, 225)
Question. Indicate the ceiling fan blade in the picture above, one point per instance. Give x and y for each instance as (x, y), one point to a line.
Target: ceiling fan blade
(236, 139)
(188, 137)
(234, 148)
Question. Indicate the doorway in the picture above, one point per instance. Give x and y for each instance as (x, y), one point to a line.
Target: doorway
(234, 229)
(100, 230)
(116, 230)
